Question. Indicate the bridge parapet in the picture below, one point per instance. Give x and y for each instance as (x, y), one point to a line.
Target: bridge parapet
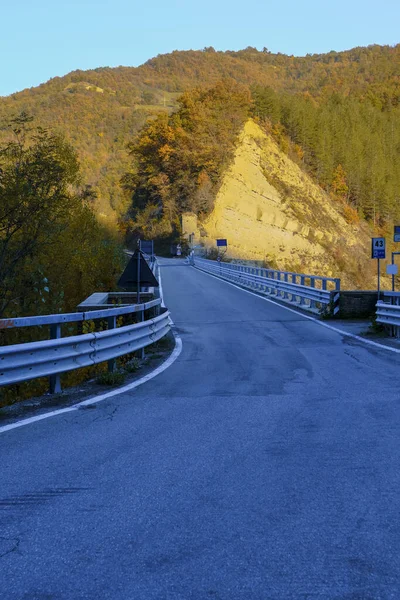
(309, 292)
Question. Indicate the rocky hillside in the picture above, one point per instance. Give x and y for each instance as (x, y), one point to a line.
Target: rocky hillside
(270, 210)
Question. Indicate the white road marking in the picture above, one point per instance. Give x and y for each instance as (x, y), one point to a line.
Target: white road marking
(122, 390)
(296, 312)
(96, 399)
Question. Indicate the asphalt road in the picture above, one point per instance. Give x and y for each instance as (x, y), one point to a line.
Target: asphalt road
(263, 464)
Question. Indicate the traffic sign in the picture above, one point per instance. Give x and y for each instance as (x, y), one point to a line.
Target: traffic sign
(392, 269)
(222, 242)
(397, 233)
(378, 248)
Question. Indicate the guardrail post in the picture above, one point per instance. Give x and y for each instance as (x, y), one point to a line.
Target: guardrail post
(294, 279)
(286, 279)
(112, 324)
(302, 282)
(55, 380)
(312, 284)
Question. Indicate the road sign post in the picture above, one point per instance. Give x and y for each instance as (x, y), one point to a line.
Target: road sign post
(396, 238)
(378, 251)
(393, 269)
(221, 243)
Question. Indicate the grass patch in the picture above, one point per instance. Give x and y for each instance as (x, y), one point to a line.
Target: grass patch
(115, 378)
(132, 366)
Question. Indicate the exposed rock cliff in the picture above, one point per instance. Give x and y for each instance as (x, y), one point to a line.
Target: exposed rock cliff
(270, 210)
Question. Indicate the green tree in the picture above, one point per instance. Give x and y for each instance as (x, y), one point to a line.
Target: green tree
(37, 170)
(53, 251)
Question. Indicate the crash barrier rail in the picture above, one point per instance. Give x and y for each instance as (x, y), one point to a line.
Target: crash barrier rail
(22, 362)
(309, 292)
(388, 312)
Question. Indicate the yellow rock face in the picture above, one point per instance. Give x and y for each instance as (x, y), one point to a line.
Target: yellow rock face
(270, 210)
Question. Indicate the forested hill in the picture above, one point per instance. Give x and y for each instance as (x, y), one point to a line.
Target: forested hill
(101, 110)
(361, 70)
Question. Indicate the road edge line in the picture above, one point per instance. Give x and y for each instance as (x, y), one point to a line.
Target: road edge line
(122, 390)
(308, 317)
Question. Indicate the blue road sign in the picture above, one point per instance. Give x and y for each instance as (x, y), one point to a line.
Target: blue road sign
(397, 233)
(378, 248)
(222, 243)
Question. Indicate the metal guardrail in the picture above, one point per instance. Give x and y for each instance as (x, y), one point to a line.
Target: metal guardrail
(88, 315)
(388, 312)
(295, 288)
(23, 362)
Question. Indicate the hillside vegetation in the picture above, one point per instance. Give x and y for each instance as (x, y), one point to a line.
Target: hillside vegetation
(322, 102)
(53, 251)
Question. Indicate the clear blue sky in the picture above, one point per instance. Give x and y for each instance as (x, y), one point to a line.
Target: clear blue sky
(45, 38)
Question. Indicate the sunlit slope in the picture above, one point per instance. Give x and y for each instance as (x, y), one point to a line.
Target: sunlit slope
(269, 209)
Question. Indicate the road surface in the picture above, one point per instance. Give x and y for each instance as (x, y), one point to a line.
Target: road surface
(263, 464)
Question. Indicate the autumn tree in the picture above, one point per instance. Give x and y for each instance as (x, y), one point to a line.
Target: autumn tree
(339, 184)
(178, 159)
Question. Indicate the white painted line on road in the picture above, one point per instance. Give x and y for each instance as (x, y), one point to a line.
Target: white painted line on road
(96, 399)
(122, 390)
(345, 333)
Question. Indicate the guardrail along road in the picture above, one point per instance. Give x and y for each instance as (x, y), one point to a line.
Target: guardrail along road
(263, 464)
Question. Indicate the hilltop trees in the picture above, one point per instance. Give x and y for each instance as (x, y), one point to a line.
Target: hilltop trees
(100, 110)
(178, 159)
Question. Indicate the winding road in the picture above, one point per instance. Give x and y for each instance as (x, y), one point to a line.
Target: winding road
(264, 464)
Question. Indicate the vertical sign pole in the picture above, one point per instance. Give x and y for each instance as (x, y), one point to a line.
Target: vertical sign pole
(379, 278)
(392, 273)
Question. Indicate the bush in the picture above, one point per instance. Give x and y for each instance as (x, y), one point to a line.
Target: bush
(351, 215)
